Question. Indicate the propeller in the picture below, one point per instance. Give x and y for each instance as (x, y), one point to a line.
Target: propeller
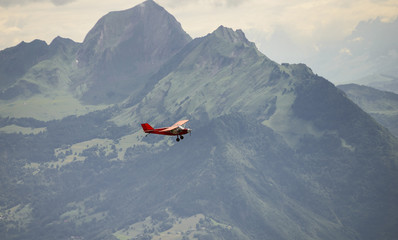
(188, 129)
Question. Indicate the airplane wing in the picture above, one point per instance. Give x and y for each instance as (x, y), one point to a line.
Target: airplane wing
(175, 125)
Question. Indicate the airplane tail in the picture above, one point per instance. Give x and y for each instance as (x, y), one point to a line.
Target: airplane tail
(147, 128)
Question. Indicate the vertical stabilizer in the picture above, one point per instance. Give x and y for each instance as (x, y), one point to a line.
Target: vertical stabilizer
(147, 128)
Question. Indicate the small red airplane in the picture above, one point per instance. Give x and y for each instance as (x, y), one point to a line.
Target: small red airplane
(177, 129)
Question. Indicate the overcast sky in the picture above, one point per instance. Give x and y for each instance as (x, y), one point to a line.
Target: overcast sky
(304, 25)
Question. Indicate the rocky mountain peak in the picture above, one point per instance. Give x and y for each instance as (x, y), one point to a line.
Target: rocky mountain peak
(125, 47)
(60, 44)
(146, 25)
(61, 41)
(230, 35)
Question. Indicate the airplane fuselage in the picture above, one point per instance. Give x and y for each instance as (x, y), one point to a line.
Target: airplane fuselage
(174, 132)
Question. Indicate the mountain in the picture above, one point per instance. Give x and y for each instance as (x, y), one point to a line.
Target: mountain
(381, 82)
(33, 68)
(115, 61)
(381, 105)
(124, 48)
(14, 62)
(222, 74)
(36, 80)
(276, 152)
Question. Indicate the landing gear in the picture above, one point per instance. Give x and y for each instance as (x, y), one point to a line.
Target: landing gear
(179, 137)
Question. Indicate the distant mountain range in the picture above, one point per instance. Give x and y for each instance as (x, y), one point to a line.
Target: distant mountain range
(276, 152)
(381, 105)
(368, 56)
(381, 82)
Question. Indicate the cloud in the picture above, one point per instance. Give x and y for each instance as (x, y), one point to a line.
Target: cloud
(215, 3)
(345, 51)
(61, 2)
(9, 3)
(229, 3)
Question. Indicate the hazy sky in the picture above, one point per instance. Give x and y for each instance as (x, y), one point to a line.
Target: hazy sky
(307, 24)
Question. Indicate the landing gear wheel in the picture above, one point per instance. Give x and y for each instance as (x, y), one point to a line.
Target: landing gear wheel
(177, 139)
(182, 137)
